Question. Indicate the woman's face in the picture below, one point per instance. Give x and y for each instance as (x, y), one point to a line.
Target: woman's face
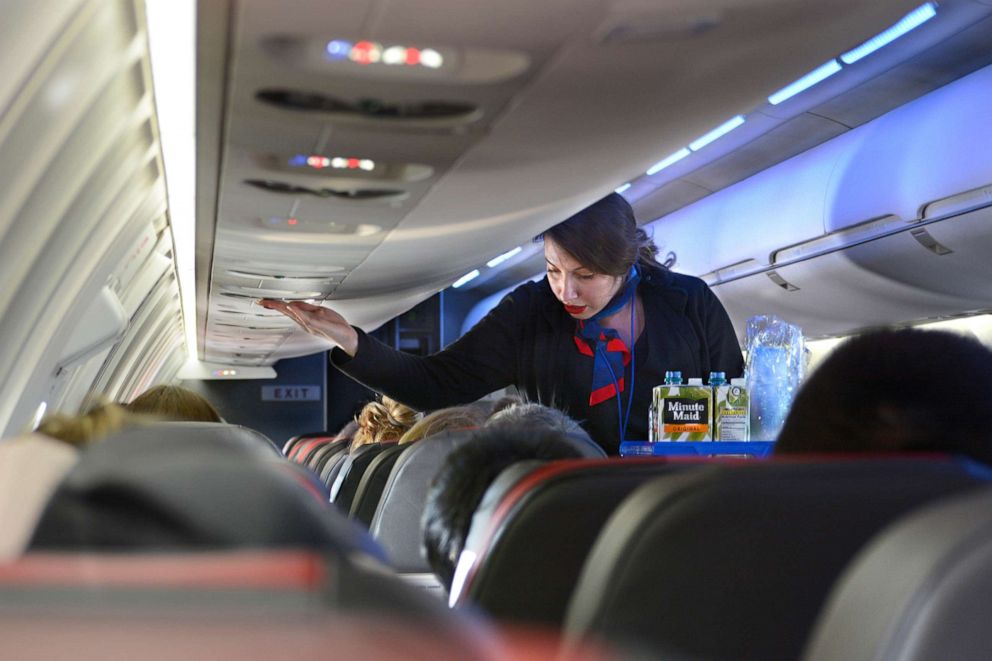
(582, 292)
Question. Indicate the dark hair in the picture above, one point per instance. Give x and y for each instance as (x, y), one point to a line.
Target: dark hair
(604, 237)
(896, 390)
(464, 477)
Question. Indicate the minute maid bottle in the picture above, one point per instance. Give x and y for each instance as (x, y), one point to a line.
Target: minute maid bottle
(684, 412)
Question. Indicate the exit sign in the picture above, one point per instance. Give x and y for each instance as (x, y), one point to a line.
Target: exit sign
(290, 393)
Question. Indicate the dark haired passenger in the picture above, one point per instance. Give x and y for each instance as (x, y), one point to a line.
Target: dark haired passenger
(592, 338)
(896, 391)
(174, 403)
(459, 485)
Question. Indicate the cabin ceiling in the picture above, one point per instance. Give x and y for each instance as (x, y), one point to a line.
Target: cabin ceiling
(562, 101)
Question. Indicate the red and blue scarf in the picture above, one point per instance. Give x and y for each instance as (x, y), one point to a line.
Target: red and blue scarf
(610, 354)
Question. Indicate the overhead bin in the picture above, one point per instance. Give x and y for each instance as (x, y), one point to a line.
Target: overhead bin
(887, 223)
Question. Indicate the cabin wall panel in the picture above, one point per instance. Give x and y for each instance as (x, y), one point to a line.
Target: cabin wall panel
(82, 205)
(28, 32)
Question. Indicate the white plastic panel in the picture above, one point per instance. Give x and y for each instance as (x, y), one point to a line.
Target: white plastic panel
(889, 168)
(916, 154)
(79, 159)
(102, 322)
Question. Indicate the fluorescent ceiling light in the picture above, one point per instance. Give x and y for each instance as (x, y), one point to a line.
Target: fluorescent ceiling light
(716, 133)
(496, 261)
(172, 52)
(910, 21)
(670, 160)
(468, 277)
(623, 189)
(804, 83)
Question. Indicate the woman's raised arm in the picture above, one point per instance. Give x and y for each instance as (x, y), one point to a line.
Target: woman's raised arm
(318, 320)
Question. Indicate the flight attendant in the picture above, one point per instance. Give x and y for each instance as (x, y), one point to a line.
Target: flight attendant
(592, 338)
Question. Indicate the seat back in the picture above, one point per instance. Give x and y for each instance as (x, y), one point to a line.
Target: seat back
(329, 473)
(177, 486)
(735, 562)
(921, 589)
(324, 454)
(373, 482)
(349, 479)
(526, 548)
(244, 604)
(396, 523)
(293, 441)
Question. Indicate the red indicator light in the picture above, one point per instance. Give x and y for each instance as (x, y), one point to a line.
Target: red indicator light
(291, 221)
(366, 52)
(353, 163)
(413, 56)
(318, 162)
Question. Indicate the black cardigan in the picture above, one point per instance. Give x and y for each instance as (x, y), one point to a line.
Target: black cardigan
(527, 341)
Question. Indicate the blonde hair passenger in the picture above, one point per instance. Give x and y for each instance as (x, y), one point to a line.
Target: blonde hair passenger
(97, 423)
(385, 420)
(174, 403)
(452, 418)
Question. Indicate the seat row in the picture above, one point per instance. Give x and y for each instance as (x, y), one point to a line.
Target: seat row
(691, 558)
(776, 559)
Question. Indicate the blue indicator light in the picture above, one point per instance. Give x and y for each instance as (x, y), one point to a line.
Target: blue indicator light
(496, 261)
(910, 21)
(298, 161)
(716, 133)
(468, 277)
(804, 83)
(670, 160)
(338, 49)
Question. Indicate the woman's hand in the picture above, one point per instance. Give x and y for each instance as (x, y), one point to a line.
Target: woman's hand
(317, 320)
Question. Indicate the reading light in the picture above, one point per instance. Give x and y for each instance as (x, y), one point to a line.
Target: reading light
(468, 277)
(910, 21)
(716, 133)
(812, 78)
(496, 261)
(670, 160)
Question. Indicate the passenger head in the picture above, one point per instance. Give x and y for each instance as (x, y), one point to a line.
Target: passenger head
(384, 420)
(604, 237)
(449, 419)
(530, 415)
(505, 402)
(464, 477)
(174, 403)
(96, 424)
(896, 391)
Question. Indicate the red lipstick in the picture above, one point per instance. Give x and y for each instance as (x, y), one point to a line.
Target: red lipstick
(575, 309)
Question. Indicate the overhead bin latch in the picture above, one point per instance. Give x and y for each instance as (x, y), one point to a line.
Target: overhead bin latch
(780, 281)
(924, 238)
